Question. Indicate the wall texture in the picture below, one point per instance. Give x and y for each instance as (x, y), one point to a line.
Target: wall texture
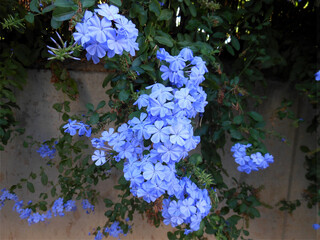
(283, 179)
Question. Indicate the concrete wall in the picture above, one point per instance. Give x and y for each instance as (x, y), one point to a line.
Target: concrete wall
(283, 179)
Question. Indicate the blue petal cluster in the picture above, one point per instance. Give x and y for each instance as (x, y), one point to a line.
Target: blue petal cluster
(164, 123)
(317, 76)
(73, 126)
(114, 230)
(106, 32)
(45, 151)
(58, 208)
(86, 205)
(316, 226)
(254, 162)
(190, 206)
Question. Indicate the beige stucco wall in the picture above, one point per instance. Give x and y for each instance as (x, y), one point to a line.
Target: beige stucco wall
(283, 179)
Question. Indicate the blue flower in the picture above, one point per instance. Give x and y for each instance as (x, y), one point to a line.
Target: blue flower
(45, 151)
(98, 236)
(70, 205)
(170, 152)
(143, 101)
(81, 36)
(57, 208)
(316, 226)
(99, 157)
(186, 54)
(94, 48)
(159, 132)
(71, 127)
(83, 129)
(114, 230)
(250, 163)
(184, 99)
(98, 29)
(162, 54)
(110, 12)
(178, 134)
(317, 75)
(176, 62)
(87, 206)
(187, 207)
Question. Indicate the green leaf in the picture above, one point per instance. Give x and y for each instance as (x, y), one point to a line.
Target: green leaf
(193, 10)
(155, 7)
(230, 49)
(44, 178)
(107, 79)
(171, 236)
(62, 14)
(30, 187)
(195, 159)
(147, 68)
(90, 107)
(165, 15)
(57, 107)
(108, 213)
(33, 175)
(29, 17)
(43, 206)
(164, 40)
(134, 114)
(94, 119)
(64, 3)
(218, 35)
(124, 95)
(66, 106)
(116, 2)
(55, 24)
(88, 3)
(235, 43)
(304, 149)
(53, 191)
(235, 134)
(255, 116)
(65, 117)
(238, 119)
(232, 203)
(48, 8)
(34, 6)
(254, 212)
(101, 104)
(254, 133)
(108, 203)
(233, 220)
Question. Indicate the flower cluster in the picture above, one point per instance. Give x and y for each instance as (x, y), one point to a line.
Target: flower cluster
(254, 162)
(58, 208)
(72, 126)
(152, 144)
(106, 32)
(86, 205)
(191, 206)
(45, 151)
(114, 230)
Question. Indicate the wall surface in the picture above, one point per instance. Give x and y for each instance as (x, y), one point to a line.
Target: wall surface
(283, 179)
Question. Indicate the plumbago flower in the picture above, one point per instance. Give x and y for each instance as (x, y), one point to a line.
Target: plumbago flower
(106, 32)
(164, 123)
(59, 207)
(254, 162)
